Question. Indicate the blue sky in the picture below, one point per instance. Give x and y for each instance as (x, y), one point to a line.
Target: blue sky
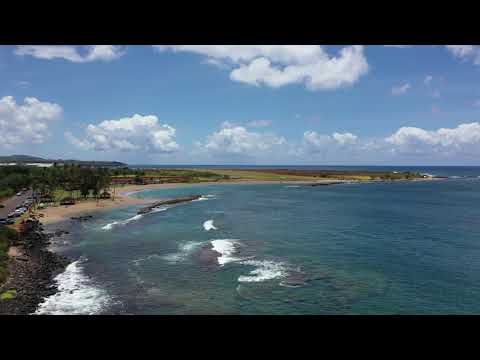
(313, 104)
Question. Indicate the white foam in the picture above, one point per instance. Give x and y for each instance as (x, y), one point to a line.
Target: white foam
(205, 197)
(158, 209)
(185, 249)
(208, 225)
(111, 225)
(77, 294)
(264, 270)
(226, 248)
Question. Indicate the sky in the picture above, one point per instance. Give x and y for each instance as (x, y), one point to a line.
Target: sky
(243, 104)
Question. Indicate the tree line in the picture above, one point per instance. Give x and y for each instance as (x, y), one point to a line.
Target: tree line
(72, 179)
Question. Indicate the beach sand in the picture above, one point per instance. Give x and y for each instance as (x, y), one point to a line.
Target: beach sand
(122, 198)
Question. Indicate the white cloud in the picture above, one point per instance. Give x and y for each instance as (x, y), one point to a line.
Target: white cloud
(398, 46)
(465, 52)
(476, 103)
(465, 138)
(345, 138)
(71, 53)
(27, 122)
(259, 123)
(136, 133)
(237, 140)
(428, 79)
(314, 142)
(279, 65)
(401, 89)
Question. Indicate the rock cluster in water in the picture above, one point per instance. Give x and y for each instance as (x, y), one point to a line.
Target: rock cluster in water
(149, 208)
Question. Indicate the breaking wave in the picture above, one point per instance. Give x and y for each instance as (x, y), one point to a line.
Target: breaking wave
(208, 225)
(205, 197)
(111, 225)
(185, 250)
(77, 294)
(226, 248)
(264, 270)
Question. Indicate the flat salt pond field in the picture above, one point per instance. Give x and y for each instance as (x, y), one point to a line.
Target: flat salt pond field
(372, 248)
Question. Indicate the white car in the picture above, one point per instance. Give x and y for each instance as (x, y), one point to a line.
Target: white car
(19, 193)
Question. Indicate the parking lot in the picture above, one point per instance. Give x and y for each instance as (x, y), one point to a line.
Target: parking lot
(11, 203)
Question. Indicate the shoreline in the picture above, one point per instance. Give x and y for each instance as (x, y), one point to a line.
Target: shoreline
(32, 270)
(35, 263)
(52, 215)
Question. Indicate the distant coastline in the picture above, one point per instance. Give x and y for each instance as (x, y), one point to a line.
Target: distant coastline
(124, 196)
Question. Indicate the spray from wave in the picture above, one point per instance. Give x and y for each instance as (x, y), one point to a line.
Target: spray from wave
(111, 225)
(77, 294)
(264, 270)
(208, 225)
(226, 248)
(185, 250)
(205, 197)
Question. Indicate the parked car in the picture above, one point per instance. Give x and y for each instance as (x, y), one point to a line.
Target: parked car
(67, 201)
(19, 193)
(11, 215)
(4, 221)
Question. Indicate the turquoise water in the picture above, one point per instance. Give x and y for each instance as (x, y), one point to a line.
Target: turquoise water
(376, 248)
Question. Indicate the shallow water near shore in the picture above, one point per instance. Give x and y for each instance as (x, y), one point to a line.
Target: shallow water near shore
(377, 248)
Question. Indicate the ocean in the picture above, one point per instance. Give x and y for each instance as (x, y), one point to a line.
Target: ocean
(363, 248)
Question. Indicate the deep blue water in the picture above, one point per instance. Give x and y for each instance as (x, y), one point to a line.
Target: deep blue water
(372, 248)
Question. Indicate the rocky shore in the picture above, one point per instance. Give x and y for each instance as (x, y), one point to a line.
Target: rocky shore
(156, 204)
(32, 271)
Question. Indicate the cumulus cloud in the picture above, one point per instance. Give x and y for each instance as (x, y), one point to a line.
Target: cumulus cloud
(428, 79)
(237, 140)
(27, 122)
(136, 133)
(465, 52)
(280, 65)
(314, 142)
(465, 138)
(345, 138)
(78, 54)
(401, 89)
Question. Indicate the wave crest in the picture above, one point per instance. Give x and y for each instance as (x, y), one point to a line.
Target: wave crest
(77, 294)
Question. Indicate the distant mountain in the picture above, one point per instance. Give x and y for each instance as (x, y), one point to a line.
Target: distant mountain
(35, 159)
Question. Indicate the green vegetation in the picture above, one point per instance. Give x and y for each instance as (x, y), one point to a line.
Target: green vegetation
(185, 175)
(7, 235)
(8, 295)
(72, 181)
(312, 175)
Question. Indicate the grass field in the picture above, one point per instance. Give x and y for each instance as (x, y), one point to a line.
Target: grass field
(309, 175)
(259, 175)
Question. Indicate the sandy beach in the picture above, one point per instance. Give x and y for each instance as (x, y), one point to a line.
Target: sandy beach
(122, 198)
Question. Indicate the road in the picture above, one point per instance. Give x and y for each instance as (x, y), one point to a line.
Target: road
(13, 202)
